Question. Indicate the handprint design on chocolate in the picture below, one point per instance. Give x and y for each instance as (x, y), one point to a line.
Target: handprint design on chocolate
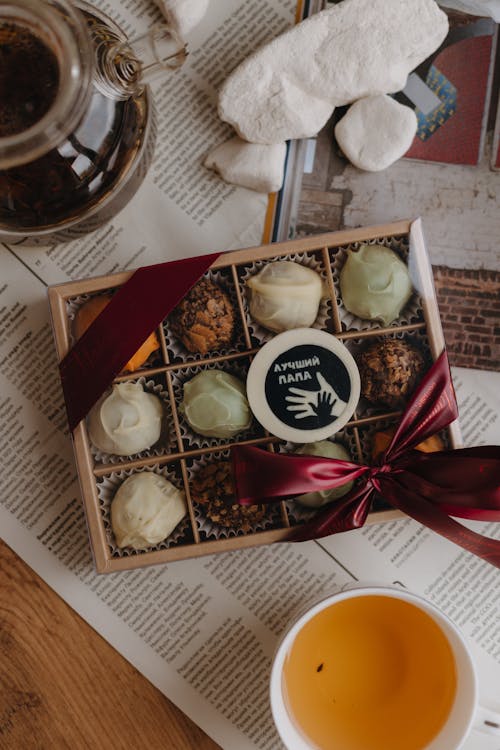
(322, 403)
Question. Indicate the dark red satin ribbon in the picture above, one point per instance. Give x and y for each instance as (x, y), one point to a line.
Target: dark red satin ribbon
(429, 487)
(116, 334)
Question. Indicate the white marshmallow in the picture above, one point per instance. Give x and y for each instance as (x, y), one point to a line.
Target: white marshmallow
(289, 88)
(255, 166)
(375, 132)
(184, 15)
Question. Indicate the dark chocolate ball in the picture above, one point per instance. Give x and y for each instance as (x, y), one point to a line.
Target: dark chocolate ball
(390, 370)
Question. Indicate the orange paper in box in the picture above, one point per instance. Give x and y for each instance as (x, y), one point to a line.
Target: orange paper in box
(94, 307)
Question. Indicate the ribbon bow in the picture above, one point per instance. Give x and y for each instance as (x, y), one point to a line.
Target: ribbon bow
(429, 487)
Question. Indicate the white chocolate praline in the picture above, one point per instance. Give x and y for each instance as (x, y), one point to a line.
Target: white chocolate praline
(285, 295)
(145, 510)
(127, 421)
(215, 404)
(324, 449)
(375, 283)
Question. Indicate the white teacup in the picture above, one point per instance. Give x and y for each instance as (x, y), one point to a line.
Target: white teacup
(464, 714)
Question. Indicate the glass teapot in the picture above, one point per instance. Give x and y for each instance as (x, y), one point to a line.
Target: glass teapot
(77, 125)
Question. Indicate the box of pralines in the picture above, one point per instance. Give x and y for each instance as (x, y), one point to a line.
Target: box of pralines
(153, 454)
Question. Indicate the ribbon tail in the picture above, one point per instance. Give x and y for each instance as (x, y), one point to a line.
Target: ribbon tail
(432, 516)
(348, 513)
(473, 514)
(464, 483)
(432, 407)
(468, 478)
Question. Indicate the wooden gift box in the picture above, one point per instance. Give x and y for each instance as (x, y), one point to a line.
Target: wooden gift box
(324, 249)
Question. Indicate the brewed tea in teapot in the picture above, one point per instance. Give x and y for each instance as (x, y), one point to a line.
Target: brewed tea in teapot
(77, 125)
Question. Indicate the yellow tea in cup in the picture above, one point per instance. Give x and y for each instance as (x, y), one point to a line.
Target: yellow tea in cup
(370, 673)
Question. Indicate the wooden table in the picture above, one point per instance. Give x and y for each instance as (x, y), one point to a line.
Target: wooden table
(63, 686)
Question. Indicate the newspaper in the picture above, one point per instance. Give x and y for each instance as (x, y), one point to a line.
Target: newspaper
(203, 631)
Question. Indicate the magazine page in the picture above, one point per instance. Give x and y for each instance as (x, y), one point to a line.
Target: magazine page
(179, 622)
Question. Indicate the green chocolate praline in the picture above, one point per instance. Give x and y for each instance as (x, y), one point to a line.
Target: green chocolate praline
(324, 449)
(375, 283)
(215, 404)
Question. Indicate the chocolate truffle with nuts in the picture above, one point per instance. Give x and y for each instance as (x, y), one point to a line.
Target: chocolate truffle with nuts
(389, 371)
(204, 320)
(212, 487)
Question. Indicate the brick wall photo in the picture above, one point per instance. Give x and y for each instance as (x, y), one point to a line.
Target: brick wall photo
(469, 303)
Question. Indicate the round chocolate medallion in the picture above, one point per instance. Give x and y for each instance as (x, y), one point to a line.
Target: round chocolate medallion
(303, 385)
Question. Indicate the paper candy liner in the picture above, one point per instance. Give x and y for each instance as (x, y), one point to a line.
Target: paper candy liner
(258, 333)
(73, 304)
(177, 352)
(192, 440)
(210, 530)
(298, 513)
(107, 487)
(167, 442)
(412, 311)
(356, 346)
